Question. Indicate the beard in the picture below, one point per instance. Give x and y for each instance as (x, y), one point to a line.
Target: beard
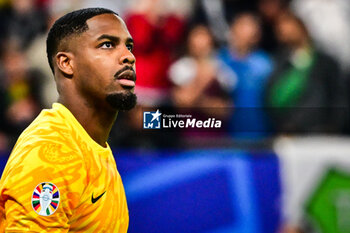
(122, 100)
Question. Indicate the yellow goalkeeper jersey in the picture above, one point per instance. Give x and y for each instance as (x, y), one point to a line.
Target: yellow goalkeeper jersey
(58, 179)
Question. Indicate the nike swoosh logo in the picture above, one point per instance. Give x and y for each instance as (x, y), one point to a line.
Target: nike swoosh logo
(93, 200)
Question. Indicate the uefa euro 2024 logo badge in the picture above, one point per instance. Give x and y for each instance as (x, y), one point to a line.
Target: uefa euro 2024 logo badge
(151, 120)
(45, 199)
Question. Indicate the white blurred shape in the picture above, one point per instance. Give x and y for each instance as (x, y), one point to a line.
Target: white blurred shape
(328, 23)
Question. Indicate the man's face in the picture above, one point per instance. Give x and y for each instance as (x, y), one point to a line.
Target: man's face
(245, 32)
(200, 42)
(288, 31)
(104, 66)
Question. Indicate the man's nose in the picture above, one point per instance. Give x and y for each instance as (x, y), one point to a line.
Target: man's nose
(127, 57)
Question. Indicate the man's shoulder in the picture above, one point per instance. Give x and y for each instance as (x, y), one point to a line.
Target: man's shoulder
(260, 55)
(224, 53)
(48, 138)
(48, 126)
(42, 150)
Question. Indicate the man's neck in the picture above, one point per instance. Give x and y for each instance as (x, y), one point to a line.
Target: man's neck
(97, 122)
(241, 50)
(303, 44)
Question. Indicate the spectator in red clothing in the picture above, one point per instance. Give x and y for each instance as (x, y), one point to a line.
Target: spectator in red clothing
(157, 33)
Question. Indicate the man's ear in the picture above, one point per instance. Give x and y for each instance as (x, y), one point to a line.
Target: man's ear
(64, 61)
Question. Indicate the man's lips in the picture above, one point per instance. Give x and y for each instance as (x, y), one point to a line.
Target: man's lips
(127, 78)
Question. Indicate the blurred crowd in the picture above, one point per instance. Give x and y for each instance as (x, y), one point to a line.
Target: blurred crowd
(265, 67)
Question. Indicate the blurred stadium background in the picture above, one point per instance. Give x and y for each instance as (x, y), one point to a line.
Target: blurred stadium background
(275, 71)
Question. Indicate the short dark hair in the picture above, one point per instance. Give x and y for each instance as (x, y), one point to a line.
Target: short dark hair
(69, 24)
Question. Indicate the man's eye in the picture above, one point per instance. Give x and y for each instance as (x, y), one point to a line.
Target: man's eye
(107, 45)
(129, 47)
